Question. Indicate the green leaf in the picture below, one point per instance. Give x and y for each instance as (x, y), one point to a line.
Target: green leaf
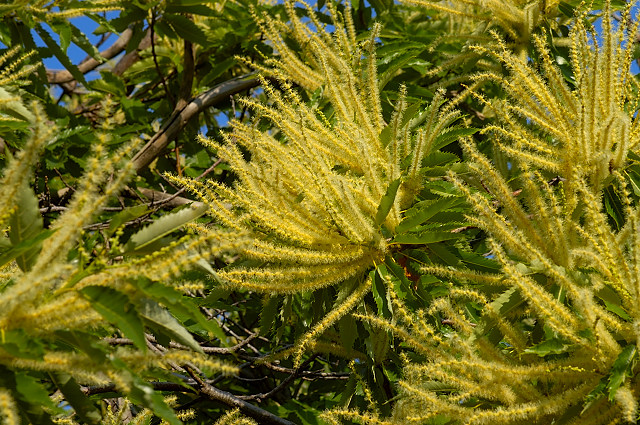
(634, 179)
(26, 224)
(186, 29)
(614, 308)
(60, 54)
(128, 214)
(180, 305)
(452, 135)
(425, 237)
(387, 73)
(567, 9)
(439, 158)
(20, 344)
(63, 29)
(192, 9)
(614, 207)
(379, 290)
(158, 318)
(116, 308)
(14, 108)
(81, 40)
(25, 247)
(479, 262)
(163, 226)
(423, 211)
(109, 84)
(387, 201)
(269, 313)
(34, 392)
(86, 411)
(551, 346)
(621, 369)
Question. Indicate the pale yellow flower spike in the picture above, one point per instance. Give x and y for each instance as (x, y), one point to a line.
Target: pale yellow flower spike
(8, 409)
(233, 417)
(305, 205)
(558, 249)
(331, 318)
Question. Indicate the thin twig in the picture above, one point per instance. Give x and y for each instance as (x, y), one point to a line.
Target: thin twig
(213, 393)
(264, 396)
(179, 119)
(64, 76)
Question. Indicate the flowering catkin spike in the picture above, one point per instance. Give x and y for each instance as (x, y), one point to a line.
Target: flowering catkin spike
(310, 192)
(308, 197)
(542, 347)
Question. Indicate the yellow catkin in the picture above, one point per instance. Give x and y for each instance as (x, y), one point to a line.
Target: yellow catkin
(201, 361)
(233, 417)
(307, 200)
(554, 241)
(332, 317)
(8, 409)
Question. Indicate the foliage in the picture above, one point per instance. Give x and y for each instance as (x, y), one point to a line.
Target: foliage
(415, 212)
(317, 200)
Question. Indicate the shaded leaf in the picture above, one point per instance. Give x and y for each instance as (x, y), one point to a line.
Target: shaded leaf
(19, 344)
(425, 237)
(181, 306)
(379, 291)
(158, 318)
(621, 369)
(396, 276)
(269, 314)
(60, 54)
(163, 226)
(34, 392)
(551, 346)
(86, 411)
(186, 29)
(452, 135)
(25, 247)
(142, 393)
(423, 211)
(26, 224)
(116, 308)
(387, 201)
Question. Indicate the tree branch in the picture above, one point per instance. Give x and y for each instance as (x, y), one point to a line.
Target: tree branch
(64, 76)
(264, 396)
(132, 57)
(179, 119)
(158, 386)
(261, 415)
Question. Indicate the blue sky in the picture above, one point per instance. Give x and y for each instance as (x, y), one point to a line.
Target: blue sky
(88, 26)
(76, 54)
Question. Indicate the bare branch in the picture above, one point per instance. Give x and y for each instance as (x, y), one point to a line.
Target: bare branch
(264, 396)
(132, 57)
(213, 393)
(179, 119)
(64, 76)
(158, 386)
(187, 76)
